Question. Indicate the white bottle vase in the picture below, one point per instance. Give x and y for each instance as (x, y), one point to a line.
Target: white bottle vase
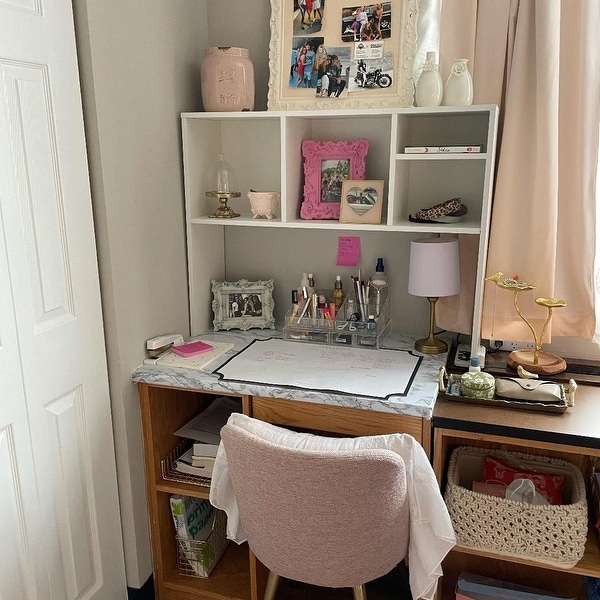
(459, 86)
(430, 88)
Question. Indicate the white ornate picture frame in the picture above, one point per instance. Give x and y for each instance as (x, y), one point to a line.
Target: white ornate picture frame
(401, 43)
(243, 304)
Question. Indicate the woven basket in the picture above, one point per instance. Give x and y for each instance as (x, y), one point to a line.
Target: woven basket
(549, 534)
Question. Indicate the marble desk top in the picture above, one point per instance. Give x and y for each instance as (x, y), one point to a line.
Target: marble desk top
(419, 401)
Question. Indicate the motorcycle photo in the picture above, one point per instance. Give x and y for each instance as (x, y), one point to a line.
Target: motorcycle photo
(371, 77)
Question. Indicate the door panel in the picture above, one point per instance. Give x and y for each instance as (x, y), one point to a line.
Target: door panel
(59, 513)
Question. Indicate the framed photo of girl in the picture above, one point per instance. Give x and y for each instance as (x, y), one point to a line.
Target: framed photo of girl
(326, 166)
(336, 53)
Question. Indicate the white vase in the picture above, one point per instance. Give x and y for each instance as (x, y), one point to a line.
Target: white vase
(430, 88)
(459, 86)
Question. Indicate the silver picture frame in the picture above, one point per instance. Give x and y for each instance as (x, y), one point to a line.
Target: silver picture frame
(243, 304)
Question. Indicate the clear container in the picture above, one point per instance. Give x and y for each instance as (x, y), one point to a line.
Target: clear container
(343, 330)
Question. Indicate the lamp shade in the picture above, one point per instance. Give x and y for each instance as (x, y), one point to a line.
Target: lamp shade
(434, 267)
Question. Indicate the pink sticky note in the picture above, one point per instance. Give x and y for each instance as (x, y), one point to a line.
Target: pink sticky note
(191, 349)
(348, 250)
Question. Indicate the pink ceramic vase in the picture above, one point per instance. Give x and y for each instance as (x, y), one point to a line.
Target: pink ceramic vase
(227, 79)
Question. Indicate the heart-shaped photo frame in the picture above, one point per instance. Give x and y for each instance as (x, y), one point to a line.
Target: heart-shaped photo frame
(361, 201)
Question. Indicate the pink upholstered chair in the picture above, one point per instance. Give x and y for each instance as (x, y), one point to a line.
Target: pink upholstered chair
(326, 518)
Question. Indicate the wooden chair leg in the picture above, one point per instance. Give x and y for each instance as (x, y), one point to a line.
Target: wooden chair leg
(271, 588)
(359, 592)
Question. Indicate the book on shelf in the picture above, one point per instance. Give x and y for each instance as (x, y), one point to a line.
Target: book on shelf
(198, 466)
(478, 587)
(442, 149)
(202, 450)
(206, 426)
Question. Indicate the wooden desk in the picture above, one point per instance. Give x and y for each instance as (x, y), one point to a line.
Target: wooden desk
(573, 436)
(166, 406)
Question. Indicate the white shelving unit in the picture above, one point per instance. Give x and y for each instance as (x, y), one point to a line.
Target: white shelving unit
(265, 150)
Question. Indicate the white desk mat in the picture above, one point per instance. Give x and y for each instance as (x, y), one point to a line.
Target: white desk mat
(368, 373)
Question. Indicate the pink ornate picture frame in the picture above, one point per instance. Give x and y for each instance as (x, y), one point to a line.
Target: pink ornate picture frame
(326, 166)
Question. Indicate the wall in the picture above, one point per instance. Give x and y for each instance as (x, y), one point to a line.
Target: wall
(232, 23)
(139, 66)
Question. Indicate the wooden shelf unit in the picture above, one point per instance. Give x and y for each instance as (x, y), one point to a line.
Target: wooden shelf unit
(164, 410)
(570, 436)
(237, 575)
(264, 149)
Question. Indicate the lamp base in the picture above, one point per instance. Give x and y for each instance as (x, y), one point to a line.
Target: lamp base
(548, 364)
(431, 345)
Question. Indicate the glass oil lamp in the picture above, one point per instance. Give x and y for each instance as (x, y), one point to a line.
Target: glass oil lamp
(222, 175)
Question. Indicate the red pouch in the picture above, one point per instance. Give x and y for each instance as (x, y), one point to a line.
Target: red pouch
(550, 486)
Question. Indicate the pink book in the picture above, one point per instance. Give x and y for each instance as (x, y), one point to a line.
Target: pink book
(191, 349)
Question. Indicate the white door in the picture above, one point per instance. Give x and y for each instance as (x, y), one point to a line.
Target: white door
(60, 530)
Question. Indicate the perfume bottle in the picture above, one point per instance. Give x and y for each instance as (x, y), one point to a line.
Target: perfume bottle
(338, 292)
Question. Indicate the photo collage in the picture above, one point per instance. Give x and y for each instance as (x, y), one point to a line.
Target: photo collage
(353, 60)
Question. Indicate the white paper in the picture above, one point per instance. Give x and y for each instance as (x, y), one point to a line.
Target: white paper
(371, 373)
(206, 426)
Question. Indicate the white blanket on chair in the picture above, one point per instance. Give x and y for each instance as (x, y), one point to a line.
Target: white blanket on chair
(431, 532)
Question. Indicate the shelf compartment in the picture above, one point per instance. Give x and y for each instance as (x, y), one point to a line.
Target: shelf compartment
(557, 581)
(170, 473)
(252, 146)
(423, 184)
(451, 128)
(230, 579)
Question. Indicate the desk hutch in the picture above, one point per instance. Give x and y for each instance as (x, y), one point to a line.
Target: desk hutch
(264, 148)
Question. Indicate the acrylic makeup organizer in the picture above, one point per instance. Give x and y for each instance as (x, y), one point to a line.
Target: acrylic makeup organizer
(341, 331)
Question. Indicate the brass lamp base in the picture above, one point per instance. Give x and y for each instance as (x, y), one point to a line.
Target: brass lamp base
(224, 211)
(431, 345)
(547, 364)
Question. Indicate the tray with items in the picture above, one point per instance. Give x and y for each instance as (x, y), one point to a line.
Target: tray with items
(525, 392)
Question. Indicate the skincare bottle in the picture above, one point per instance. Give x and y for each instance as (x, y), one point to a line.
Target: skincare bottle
(294, 303)
(378, 283)
(474, 366)
(371, 323)
(350, 310)
(379, 279)
(311, 283)
(338, 292)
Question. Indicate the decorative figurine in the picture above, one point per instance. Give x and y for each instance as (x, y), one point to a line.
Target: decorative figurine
(534, 360)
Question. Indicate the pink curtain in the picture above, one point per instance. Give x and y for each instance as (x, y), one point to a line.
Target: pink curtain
(539, 60)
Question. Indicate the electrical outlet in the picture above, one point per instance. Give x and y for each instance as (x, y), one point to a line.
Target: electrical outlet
(511, 346)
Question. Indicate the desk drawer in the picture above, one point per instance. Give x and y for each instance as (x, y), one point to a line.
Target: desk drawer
(339, 419)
